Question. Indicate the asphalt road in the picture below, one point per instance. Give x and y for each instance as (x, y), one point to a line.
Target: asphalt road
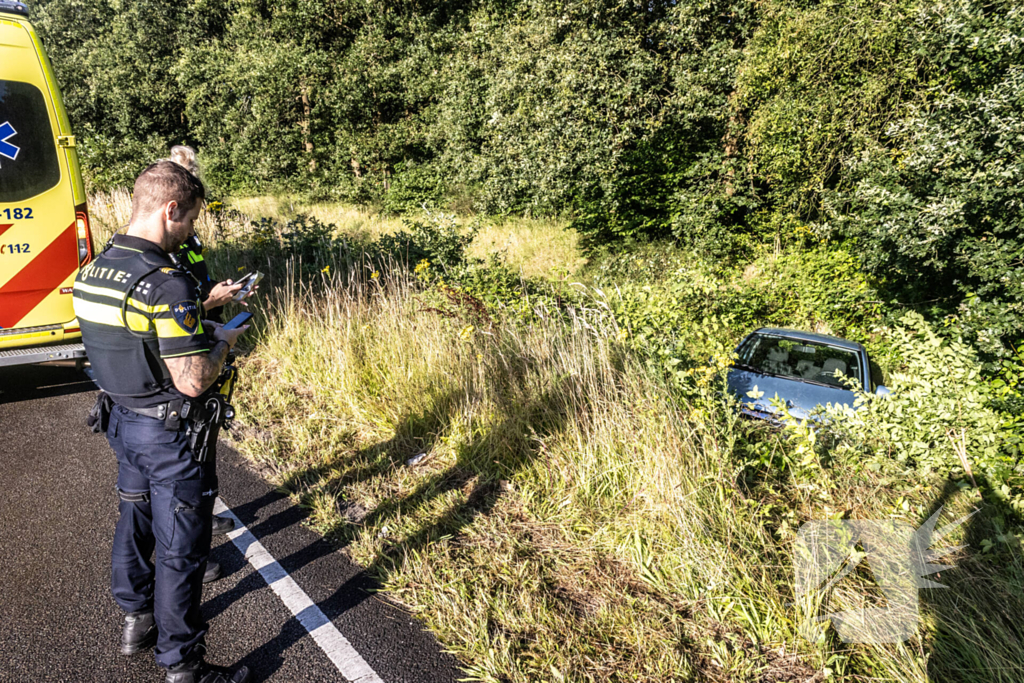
(58, 509)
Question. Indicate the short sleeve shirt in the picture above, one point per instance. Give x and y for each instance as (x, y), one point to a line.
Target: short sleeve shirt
(160, 319)
(174, 310)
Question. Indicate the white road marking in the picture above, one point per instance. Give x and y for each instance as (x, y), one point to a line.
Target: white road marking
(337, 648)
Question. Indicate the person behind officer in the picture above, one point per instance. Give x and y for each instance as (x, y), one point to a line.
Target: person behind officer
(150, 352)
(212, 294)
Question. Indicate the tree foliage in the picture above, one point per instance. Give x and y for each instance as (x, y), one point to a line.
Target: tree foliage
(893, 127)
(896, 127)
(936, 201)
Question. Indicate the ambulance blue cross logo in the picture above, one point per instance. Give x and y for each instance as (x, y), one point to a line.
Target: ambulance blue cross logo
(6, 148)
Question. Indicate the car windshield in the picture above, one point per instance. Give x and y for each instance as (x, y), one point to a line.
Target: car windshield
(801, 360)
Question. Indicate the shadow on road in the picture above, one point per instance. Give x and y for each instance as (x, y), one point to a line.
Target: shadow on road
(266, 660)
(269, 658)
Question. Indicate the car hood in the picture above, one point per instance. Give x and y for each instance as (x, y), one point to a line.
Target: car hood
(801, 397)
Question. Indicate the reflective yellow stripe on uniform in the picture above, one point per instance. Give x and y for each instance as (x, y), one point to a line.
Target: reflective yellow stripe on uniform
(114, 294)
(99, 291)
(162, 308)
(109, 314)
(169, 327)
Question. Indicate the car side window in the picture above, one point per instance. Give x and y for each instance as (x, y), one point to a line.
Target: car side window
(28, 153)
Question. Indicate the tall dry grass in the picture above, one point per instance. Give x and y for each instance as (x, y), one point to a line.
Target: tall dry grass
(560, 524)
(573, 518)
(535, 247)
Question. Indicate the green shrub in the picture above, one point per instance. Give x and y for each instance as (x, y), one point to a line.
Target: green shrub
(439, 239)
(943, 416)
(682, 309)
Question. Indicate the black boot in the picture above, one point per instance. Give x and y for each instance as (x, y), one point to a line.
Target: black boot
(222, 525)
(139, 632)
(201, 672)
(213, 572)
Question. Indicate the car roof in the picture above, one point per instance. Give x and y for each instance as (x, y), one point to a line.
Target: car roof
(800, 335)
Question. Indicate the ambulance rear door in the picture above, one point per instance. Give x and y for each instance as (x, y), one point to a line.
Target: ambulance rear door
(39, 246)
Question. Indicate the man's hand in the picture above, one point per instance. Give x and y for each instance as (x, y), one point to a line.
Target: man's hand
(221, 293)
(192, 375)
(229, 337)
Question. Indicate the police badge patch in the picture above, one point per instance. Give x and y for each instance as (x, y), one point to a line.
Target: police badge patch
(186, 314)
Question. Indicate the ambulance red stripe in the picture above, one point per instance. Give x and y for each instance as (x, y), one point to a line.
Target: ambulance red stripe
(5, 228)
(42, 275)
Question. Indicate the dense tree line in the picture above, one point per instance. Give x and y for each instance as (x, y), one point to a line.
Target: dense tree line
(895, 127)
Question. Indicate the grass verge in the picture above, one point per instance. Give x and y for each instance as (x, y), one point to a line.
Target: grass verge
(573, 517)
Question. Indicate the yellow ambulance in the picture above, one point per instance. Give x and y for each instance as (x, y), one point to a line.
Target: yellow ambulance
(44, 222)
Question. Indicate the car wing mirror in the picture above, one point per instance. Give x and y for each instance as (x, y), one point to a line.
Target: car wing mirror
(881, 390)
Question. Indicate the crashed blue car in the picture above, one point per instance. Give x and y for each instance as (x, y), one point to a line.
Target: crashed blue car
(804, 369)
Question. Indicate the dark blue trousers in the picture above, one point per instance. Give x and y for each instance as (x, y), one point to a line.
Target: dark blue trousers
(171, 521)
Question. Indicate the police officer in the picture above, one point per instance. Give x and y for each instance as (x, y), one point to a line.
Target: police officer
(151, 353)
(213, 296)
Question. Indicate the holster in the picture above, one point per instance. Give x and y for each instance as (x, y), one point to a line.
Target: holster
(99, 415)
(205, 418)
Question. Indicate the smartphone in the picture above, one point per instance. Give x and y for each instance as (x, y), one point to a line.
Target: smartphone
(250, 280)
(239, 320)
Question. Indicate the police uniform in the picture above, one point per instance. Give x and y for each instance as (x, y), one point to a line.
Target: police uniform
(136, 309)
(191, 256)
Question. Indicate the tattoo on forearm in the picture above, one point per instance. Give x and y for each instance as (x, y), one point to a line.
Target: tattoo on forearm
(199, 371)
